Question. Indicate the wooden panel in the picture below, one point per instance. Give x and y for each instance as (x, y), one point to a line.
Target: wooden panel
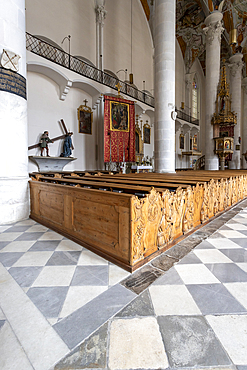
(52, 206)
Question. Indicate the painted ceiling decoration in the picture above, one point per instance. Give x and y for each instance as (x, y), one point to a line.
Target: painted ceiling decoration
(190, 17)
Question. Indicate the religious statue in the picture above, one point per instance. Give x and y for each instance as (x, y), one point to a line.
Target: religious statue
(67, 145)
(44, 140)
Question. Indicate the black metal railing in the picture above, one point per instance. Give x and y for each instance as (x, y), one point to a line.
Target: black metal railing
(50, 52)
(187, 117)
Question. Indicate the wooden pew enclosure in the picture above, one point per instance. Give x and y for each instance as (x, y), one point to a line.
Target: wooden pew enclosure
(130, 219)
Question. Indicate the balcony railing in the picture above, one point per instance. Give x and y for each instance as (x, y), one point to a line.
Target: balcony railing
(186, 117)
(50, 52)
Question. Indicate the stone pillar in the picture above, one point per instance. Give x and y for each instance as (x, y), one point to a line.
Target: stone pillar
(236, 66)
(14, 198)
(164, 129)
(100, 17)
(212, 32)
(244, 131)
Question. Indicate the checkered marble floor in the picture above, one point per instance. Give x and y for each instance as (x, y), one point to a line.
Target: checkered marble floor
(63, 307)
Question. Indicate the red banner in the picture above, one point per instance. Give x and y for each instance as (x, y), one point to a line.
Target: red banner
(119, 130)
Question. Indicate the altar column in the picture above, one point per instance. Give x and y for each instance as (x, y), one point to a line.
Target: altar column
(14, 198)
(212, 32)
(236, 66)
(244, 144)
(164, 128)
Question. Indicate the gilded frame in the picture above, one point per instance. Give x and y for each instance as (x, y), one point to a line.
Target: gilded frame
(119, 116)
(85, 120)
(146, 133)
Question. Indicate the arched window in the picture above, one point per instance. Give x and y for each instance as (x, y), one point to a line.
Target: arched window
(194, 99)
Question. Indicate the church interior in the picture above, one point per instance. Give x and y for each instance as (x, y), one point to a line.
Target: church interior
(123, 185)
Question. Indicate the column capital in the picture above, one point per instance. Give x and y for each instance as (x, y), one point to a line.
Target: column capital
(100, 13)
(236, 64)
(213, 27)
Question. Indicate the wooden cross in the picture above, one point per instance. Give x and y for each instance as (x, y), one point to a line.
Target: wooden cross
(55, 138)
(118, 87)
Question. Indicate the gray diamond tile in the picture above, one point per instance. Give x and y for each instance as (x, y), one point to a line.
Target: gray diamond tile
(215, 299)
(25, 276)
(8, 259)
(63, 258)
(29, 236)
(227, 272)
(236, 255)
(49, 300)
(45, 245)
(90, 275)
(171, 277)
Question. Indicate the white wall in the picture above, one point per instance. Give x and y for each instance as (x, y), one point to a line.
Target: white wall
(45, 110)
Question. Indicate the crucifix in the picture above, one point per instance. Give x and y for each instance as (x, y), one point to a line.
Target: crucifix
(118, 87)
(55, 138)
(85, 101)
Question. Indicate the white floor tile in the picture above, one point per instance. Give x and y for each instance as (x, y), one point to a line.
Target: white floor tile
(223, 243)
(211, 256)
(21, 246)
(90, 258)
(55, 276)
(237, 226)
(232, 234)
(39, 340)
(33, 259)
(239, 291)
(37, 229)
(68, 245)
(116, 274)
(78, 296)
(242, 265)
(196, 274)
(2, 316)
(231, 330)
(9, 237)
(136, 344)
(173, 300)
(12, 354)
(51, 235)
(4, 228)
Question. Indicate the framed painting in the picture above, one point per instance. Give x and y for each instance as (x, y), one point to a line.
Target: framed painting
(146, 133)
(119, 116)
(181, 141)
(85, 119)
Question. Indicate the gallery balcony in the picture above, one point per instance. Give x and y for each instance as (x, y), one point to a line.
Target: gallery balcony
(54, 54)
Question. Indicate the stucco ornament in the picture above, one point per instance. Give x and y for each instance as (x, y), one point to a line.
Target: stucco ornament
(212, 31)
(236, 68)
(100, 14)
(10, 60)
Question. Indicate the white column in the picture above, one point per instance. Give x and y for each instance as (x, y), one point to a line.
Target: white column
(244, 139)
(213, 32)
(236, 66)
(14, 198)
(164, 145)
(100, 17)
